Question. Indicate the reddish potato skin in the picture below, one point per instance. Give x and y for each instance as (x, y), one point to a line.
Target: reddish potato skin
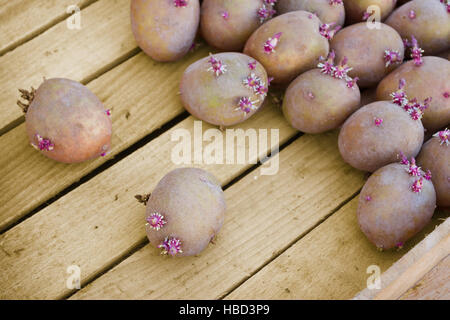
(229, 34)
(193, 205)
(326, 12)
(315, 102)
(368, 147)
(394, 213)
(296, 51)
(365, 49)
(72, 118)
(215, 99)
(431, 79)
(163, 31)
(355, 9)
(436, 158)
(431, 26)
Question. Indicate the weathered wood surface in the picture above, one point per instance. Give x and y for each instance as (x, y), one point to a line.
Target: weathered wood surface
(23, 19)
(265, 215)
(330, 262)
(141, 102)
(408, 260)
(104, 40)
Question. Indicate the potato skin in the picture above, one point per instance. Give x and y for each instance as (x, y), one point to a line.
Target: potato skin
(193, 205)
(229, 34)
(326, 12)
(72, 118)
(389, 212)
(436, 158)
(365, 49)
(355, 9)
(431, 26)
(431, 79)
(368, 147)
(315, 102)
(215, 99)
(163, 31)
(296, 51)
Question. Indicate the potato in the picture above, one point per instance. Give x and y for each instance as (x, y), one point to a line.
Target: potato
(226, 97)
(288, 45)
(435, 156)
(427, 20)
(355, 9)
(326, 11)
(365, 49)
(165, 29)
(431, 79)
(377, 133)
(185, 212)
(227, 24)
(315, 102)
(395, 205)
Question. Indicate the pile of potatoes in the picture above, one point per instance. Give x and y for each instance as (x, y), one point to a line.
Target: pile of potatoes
(322, 53)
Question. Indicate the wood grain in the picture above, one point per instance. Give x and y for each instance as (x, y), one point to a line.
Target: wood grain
(104, 40)
(141, 100)
(330, 262)
(435, 285)
(24, 19)
(98, 223)
(416, 272)
(265, 214)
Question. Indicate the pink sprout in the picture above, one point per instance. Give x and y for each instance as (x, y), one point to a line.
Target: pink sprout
(180, 3)
(225, 15)
(171, 246)
(270, 2)
(399, 245)
(269, 80)
(326, 30)
(447, 4)
(326, 66)
(412, 14)
(335, 2)
(155, 221)
(271, 43)
(252, 81)
(417, 185)
(108, 112)
(413, 169)
(404, 160)
(265, 13)
(351, 82)
(103, 154)
(217, 67)
(427, 175)
(444, 136)
(416, 51)
(341, 70)
(246, 104)
(261, 89)
(368, 198)
(366, 15)
(391, 57)
(44, 144)
(446, 95)
(252, 65)
(399, 97)
(311, 95)
(378, 121)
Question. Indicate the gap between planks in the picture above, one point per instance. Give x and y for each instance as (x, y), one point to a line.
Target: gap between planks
(104, 41)
(23, 20)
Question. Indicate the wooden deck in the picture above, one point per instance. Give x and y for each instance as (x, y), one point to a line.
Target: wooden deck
(292, 235)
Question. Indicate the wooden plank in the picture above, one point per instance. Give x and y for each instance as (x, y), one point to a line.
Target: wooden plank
(99, 222)
(265, 214)
(104, 40)
(142, 96)
(24, 19)
(331, 262)
(435, 285)
(408, 260)
(417, 271)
